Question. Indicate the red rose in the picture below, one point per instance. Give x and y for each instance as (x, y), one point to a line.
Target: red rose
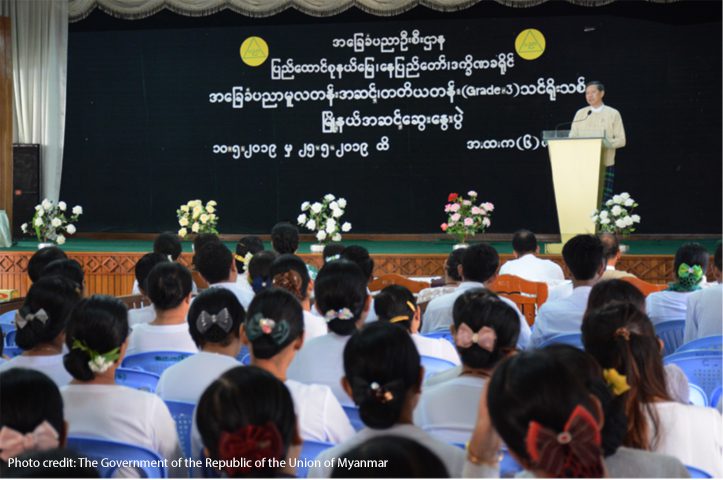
(443, 227)
(452, 197)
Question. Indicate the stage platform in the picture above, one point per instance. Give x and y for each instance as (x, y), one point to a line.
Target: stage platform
(109, 264)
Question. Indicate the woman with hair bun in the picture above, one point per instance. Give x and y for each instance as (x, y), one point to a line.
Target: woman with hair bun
(97, 339)
(40, 327)
(383, 375)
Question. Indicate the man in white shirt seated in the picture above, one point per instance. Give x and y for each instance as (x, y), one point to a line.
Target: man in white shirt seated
(214, 262)
(704, 315)
(478, 270)
(146, 313)
(583, 255)
(526, 265)
(612, 254)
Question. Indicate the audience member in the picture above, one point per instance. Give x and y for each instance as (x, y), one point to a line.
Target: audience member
(704, 314)
(169, 245)
(259, 271)
(169, 289)
(145, 264)
(382, 373)
(583, 255)
(237, 426)
(452, 278)
(612, 254)
(246, 248)
(526, 263)
(285, 238)
(332, 251)
(41, 258)
(360, 256)
(40, 327)
(215, 263)
(67, 268)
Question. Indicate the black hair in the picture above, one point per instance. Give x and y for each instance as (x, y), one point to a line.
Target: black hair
(55, 295)
(34, 465)
(248, 244)
(213, 261)
(478, 308)
(285, 238)
(200, 241)
(169, 283)
(405, 458)
(717, 257)
(259, 270)
(212, 301)
(611, 246)
(27, 398)
(168, 243)
(41, 258)
(382, 366)
(282, 273)
(331, 250)
(393, 302)
(67, 268)
(226, 407)
(524, 241)
(100, 322)
(615, 290)
(536, 386)
(597, 84)
(144, 265)
(480, 262)
(691, 253)
(360, 256)
(341, 284)
(583, 255)
(454, 259)
(280, 306)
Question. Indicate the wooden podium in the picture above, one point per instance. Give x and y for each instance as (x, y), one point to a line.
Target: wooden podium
(577, 176)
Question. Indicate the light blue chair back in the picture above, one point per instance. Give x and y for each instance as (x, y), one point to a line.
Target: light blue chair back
(244, 352)
(10, 348)
(98, 449)
(697, 396)
(697, 472)
(574, 339)
(713, 342)
(309, 451)
(433, 365)
(701, 370)
(445, 334)
(352, 412)
(671, 333)
(182, 413)
(715, 397)
(138, 379)
(7, 319)
(154, 362)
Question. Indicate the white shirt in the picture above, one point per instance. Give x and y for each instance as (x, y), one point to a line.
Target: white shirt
(166, 338)
(692, 434)
(448, 410)
(186, 380)
(137, 316)
(123, 414)
(319, 413)
(243, 295)
(666, 305)
(704, 313)
(560, 316)
(535, 269)
(428, 294)
(452, 457)
(559, 291)
(438, 315)
(51, 365)
(314, 326)
(436, 347)
(321, 361)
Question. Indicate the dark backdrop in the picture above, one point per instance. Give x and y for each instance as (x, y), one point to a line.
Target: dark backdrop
(141, 130)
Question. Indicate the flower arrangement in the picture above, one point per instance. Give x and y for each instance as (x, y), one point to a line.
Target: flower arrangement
(465, 217)
(52, 222)
(197, 218)
(324, 218)
(616, 215)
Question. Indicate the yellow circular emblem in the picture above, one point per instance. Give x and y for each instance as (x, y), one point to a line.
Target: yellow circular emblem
(530, 44)
(254, 51)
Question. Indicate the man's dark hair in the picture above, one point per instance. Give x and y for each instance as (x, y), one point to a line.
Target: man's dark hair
(480, 263)
(583, 255)
(168, 243)
(285, 238)
(214, 262)
(41, 258)
(598, 84)
(524, 241)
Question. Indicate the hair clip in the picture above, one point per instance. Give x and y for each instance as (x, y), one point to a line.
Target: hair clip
(412, 307)
(252, 442)
(206, 320)
(399, 318)
(623, 332)
(290, 281)
(382, 394)
(617, 383)
(331, 258)
(22, 320)
(258, 325)
(485, 337)
(341, 314)
(99, 362)
(246, 259)
(14, 443)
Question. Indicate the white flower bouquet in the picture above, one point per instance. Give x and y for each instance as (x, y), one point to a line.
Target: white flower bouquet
(53, 222)
(465, 217)
(324, 218)
(195, 217)
(616, 215)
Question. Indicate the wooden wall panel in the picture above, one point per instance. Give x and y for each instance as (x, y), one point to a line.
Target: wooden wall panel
(6, 120)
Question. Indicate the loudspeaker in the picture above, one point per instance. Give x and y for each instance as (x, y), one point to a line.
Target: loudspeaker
(26, 184)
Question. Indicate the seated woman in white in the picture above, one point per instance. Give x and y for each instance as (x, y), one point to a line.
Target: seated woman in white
(396, 304)
(384, 376)
(691, 262)
(274, 331)
(169, 288)
(40, 327)
(341, 293)
(290, 273)
(97, 339)
(623, 338)
(485, 331)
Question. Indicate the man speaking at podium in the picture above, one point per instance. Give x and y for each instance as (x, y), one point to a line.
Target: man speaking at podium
(598, 117)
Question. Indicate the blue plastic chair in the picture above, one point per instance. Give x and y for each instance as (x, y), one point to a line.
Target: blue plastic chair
(155, 362)
(138, 379)
(445, 334)
(697, 472)
(352, 412)
(182, 413)
(713, 342)
(701, 370)
(99, 449)
(309, 451)
(7, 327)
(243, 353)
(7, 319)
(10, 348)
(671, 333)
(697, 396)
(715, 397)
(574, 339)
(433, 365)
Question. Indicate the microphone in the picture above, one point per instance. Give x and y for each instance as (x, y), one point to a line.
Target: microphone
(589, 112)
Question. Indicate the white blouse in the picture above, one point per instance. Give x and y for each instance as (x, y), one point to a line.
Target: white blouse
(168, 338)
(51, 365)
